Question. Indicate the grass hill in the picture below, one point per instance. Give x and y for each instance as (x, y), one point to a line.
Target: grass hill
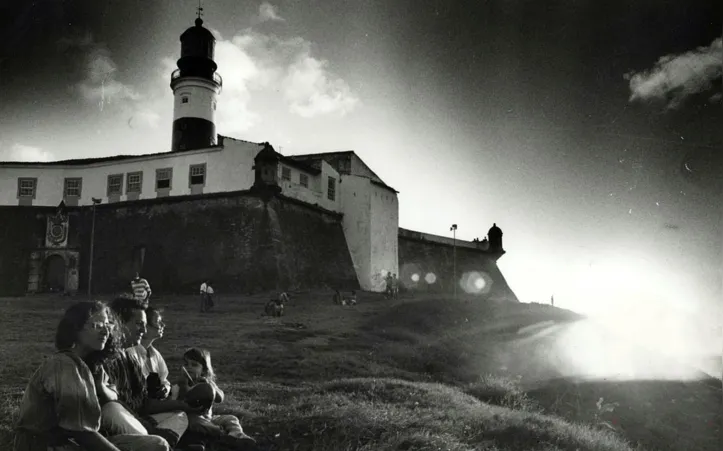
(412, 374)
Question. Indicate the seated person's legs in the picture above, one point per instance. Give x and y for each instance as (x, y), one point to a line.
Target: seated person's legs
(170, 425)
(117, 420)
(140, 443)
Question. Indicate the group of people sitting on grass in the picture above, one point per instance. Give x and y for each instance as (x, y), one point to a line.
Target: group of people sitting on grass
(339, 299)
(108, 388)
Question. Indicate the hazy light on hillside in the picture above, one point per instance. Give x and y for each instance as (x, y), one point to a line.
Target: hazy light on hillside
(595, 352)
(473, 282)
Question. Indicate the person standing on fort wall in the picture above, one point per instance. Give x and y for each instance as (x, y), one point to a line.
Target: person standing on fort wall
(141, 289)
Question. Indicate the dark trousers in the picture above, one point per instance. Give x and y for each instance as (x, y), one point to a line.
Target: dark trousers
(206, 302)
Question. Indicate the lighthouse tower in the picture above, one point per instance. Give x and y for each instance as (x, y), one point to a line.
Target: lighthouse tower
(195, 85)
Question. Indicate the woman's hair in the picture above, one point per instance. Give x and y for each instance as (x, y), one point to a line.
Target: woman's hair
(150, 311)
(73, 321)
(203, 357)
(123, 306)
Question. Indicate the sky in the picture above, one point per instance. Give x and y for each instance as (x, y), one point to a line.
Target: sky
(588, 131)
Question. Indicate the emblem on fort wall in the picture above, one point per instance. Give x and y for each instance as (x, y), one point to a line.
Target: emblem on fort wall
(57, 230)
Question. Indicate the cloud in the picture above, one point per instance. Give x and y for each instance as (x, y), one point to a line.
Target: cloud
(99, 84)
(312, 91)
(22, 152)
(267, 12)
(674, 78)
(254, 61)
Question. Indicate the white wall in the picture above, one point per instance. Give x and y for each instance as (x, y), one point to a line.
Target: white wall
(317, 191)
(201, 99)
(384, 219)
(227, 169)
(355, 192)
(328, 171)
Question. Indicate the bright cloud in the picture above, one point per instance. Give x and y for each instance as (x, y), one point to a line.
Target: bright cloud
(267, 12)
(254, 61)
(312, 91)
(22, 152)
(676, 77)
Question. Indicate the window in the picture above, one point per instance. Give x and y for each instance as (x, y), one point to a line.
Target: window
(331, 188)
(285, 173)
(304, 180)
(73, 187)
(184, 99)
(134, 182)
(26, 187)
(115, 185)
(197, 174)
(163, 178)
(214, 105)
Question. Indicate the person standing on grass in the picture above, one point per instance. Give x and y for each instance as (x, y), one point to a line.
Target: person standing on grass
(61, 406)
(141, 289)
(206, 296)
(395, 286)
(389, 288)
(136, 409)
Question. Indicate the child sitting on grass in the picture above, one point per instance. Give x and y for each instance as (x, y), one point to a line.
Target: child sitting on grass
(198, 371)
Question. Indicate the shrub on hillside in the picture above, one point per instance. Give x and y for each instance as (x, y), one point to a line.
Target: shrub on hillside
(501, 391)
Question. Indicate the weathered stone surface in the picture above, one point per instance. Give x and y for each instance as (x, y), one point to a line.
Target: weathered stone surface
(426, 257)
(241, 242)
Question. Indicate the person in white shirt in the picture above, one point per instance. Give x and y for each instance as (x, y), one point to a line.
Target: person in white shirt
(206, 296)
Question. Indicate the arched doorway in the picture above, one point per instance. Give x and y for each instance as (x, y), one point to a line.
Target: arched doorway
(55, 274)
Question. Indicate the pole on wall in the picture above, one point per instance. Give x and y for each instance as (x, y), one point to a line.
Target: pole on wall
(454, 258)
(92, 244)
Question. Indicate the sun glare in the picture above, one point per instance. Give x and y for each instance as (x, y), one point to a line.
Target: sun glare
(634, 309)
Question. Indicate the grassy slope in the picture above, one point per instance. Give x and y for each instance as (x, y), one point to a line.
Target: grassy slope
(380, 376)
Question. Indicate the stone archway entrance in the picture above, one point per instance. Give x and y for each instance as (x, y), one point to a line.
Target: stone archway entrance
(54, 274)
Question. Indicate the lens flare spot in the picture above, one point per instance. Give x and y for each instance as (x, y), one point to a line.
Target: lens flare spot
(430, 278)
(415, 277)
(474, 282)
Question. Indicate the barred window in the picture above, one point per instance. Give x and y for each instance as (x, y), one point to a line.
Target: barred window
(304, 180)
(134, 182)
(115, 184)
(163, 178)
(331, 188)
(285, 173)
(26, 187)
(72, 187)
(197, 174)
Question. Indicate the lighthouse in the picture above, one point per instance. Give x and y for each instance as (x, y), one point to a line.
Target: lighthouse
(196, 86)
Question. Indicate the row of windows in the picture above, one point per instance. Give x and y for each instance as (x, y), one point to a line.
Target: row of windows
(304, 181)
(286, 175)
(72, 186)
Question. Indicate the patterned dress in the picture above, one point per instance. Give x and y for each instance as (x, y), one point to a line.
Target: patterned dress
(60, 396)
